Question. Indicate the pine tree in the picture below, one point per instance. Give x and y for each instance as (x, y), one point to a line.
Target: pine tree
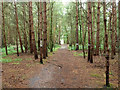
(3, 23)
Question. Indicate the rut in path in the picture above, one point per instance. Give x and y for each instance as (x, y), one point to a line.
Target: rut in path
(62, 70)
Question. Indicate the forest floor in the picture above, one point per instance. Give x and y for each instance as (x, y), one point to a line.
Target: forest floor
(62, 69)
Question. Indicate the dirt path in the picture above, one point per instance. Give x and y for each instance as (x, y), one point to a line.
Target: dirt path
(62, 70)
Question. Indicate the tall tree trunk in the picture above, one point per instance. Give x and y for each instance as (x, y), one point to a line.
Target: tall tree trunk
(59, 34)
(33, 35)
(51, 34)
(113, 32)
(30, 34)
(91, 52)
(93, 27)
(45, 32)
(38, 26)
(18, 28)
(88, 17)
(77, 45)
(90, 42)
(41, 40)
(119, 40)
(83, 35)
(4, 29)
(98, 29)
(105, 20)
(80, 20)
(115, 29)
(25, 36)
(17, 43)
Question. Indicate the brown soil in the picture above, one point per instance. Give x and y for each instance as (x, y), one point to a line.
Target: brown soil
(62, 69)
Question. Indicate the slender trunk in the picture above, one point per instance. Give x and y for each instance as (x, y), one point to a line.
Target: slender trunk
(51, 36)
(41, 44)
(105, 20)
(4, 30)
(59, 34)
(113, 30)
(88, 17)
(98, 29)
(18, 28)
(119, 41)
(77, 45)
(38, 27)
(32, 31)
(45, 33)
(93, 27)
(17, 43)
(83, 35)
(25, 36)
(80, 20)
(107, 68)
(91, 52)
(30, 34)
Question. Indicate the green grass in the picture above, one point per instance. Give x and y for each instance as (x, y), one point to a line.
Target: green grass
(10, 50)
(28, 65)
(28, 59)
(18, 59)
(8, 60)
(16, 63)
(56, 47)
(96, 75)
(79, 54)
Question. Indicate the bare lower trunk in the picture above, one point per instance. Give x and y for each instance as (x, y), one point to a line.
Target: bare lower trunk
(38, 26)
(18, 28)
(4, 30)
(30, 34)
(45, 33)
(41, 44)
(98, 29)
(25, 36)
(33, 35)
(77, 45)
(113, 33)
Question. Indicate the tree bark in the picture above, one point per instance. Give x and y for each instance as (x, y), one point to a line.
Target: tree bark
(32, 31)
(45, 32)
(105, 20)
(25, 36)
(119, 41)
(91, 52)
(88, 18)
(41, 44)
(98, 29)
(3, 23)
(18, 28)
(51, 27)
(30, 34)
(93, 27)
(38, 26)
(113, 31)
(77, 45)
